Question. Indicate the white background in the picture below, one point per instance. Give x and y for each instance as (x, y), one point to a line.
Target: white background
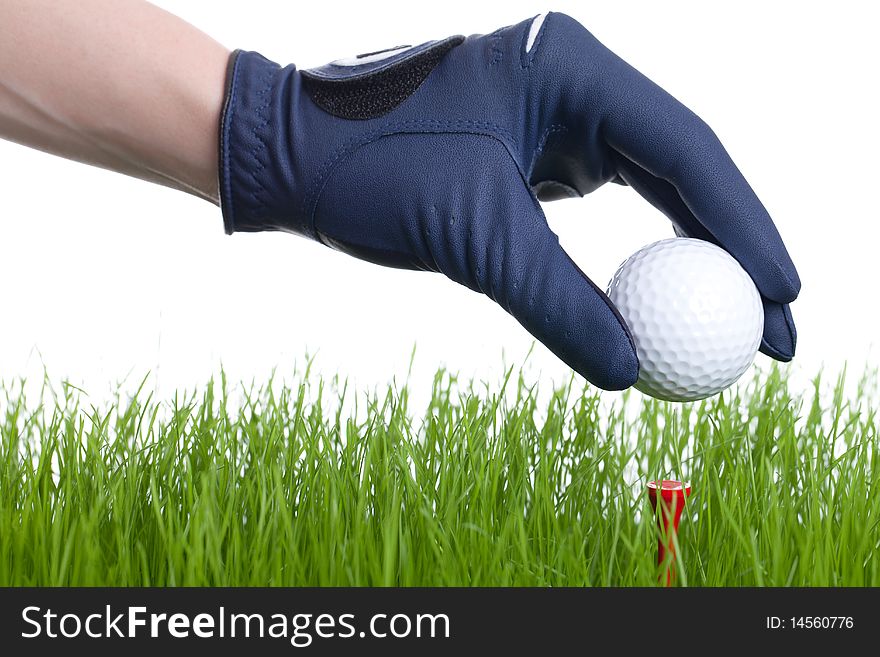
(103, 276)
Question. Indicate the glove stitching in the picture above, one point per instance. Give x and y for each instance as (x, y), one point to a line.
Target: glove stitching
(497, 53)
(555, 128)
(257, 192)
(311, 198)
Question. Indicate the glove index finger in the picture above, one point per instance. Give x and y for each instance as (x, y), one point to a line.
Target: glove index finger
(648, 126)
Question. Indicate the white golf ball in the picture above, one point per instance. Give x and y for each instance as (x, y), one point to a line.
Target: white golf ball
(695, 316)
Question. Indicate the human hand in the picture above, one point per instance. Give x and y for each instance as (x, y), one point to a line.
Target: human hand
(434, 157)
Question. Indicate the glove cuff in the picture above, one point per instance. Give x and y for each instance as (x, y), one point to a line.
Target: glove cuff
(256, 171)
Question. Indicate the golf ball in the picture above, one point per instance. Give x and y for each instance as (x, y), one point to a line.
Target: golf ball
(695, 316)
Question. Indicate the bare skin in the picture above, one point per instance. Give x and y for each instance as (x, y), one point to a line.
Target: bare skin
(119, 84)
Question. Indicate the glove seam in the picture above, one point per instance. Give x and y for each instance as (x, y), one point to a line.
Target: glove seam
(258, 192)
(420, 126)
(555, 128)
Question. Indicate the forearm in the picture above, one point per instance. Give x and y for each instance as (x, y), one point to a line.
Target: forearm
(120, 84)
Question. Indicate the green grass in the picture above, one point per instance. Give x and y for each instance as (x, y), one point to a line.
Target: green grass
(316, 484)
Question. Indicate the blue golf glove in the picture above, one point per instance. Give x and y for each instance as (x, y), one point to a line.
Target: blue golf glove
(435, 157)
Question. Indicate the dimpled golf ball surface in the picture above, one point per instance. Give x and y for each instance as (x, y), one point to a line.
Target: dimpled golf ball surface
(695, 316)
